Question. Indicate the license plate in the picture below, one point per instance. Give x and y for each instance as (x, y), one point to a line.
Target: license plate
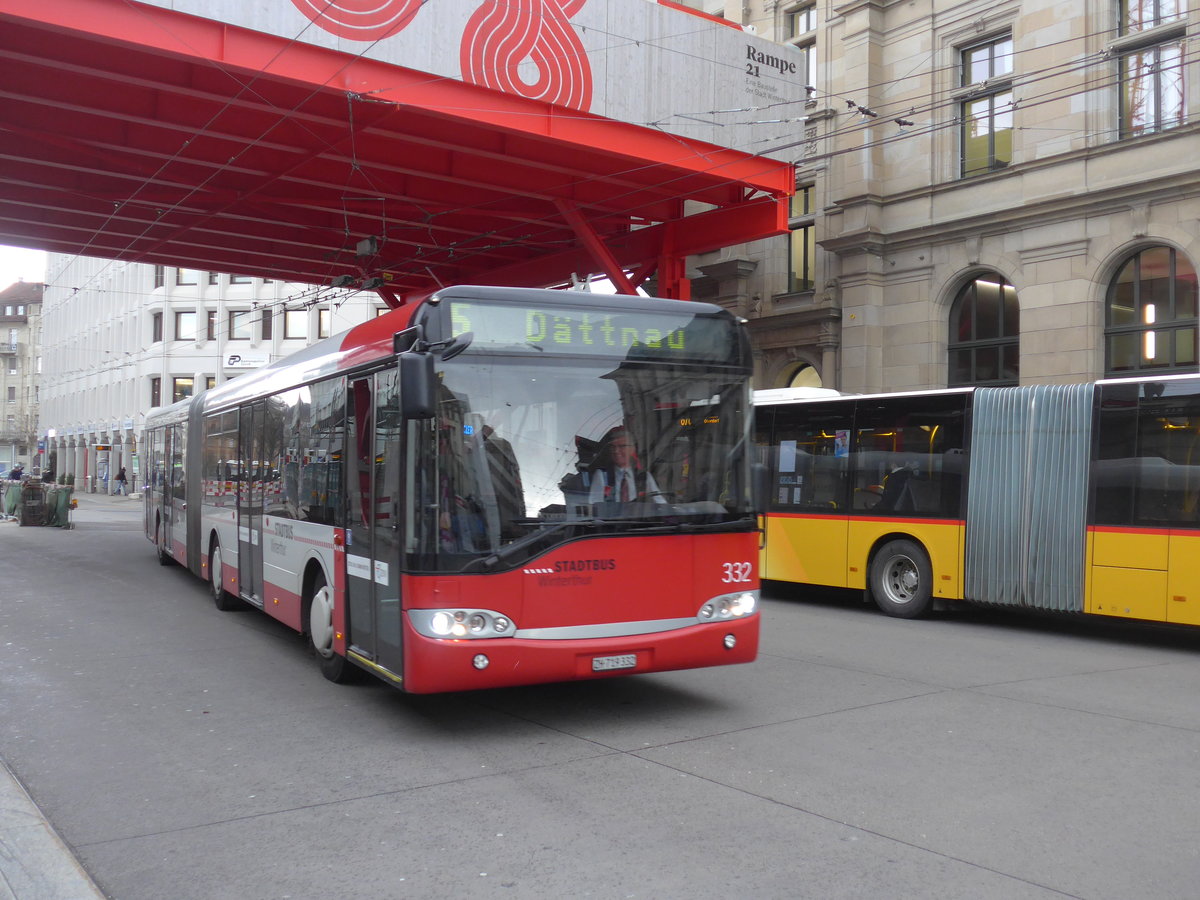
(608, 663)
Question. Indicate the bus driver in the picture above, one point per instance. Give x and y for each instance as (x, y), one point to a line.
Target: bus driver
(618, 475)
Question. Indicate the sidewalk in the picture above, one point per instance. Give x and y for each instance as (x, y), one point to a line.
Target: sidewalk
(34, 862)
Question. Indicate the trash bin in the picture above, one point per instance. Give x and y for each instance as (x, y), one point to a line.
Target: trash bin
(33, 504)
(58, 506)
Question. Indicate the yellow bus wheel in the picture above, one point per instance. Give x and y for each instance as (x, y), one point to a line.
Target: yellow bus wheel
(901, 579)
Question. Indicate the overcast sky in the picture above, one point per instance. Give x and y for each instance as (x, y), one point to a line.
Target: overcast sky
(16, 263)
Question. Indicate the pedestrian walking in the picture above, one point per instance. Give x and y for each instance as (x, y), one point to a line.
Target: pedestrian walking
(119, 490)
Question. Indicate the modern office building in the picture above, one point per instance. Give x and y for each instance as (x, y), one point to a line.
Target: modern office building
(987, 193)
(122, 338)
(20, 362)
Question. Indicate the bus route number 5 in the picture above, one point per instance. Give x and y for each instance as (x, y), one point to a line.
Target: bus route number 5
(737, 572)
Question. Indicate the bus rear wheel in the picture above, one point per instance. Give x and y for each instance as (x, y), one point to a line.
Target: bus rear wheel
(901, 579)
(224, 601)
(319, 603)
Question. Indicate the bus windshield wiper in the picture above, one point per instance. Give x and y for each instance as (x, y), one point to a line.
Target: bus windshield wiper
(487, 563)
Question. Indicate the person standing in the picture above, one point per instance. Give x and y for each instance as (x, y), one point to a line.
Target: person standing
(120, 482)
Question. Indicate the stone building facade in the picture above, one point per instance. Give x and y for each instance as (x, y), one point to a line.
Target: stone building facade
(999, 193)
(20, 363)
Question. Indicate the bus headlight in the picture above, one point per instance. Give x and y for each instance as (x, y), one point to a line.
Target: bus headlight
(729, 606)
(461, 624)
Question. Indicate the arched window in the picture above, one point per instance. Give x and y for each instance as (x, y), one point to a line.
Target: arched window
(985, 334)
(805, 376)
(1150, 314)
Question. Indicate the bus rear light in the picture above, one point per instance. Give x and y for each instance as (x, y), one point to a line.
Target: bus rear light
(461, 624)
(729, 606)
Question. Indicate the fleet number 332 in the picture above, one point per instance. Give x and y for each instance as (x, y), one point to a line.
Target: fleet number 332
(736, 572)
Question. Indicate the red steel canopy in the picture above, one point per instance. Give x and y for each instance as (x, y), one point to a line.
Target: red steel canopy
(138, 133)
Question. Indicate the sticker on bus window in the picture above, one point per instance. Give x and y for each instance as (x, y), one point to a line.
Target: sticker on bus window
(787, 456)
(783, 495)
(841, 443)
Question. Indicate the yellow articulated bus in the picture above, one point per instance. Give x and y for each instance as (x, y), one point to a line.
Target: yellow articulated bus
(1074, 498)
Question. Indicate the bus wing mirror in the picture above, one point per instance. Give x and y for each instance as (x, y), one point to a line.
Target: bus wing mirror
(418, 385)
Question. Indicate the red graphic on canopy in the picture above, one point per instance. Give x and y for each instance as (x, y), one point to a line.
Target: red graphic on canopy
(504, 37)
(360, 20)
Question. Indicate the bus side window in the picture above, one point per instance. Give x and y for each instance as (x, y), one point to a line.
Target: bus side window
(811, 454)
(908, 456)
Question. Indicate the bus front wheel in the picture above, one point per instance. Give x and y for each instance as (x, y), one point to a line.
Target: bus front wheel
(901, 579)
(320, 633)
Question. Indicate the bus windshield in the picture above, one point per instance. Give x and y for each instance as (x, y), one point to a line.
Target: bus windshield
(527, 451)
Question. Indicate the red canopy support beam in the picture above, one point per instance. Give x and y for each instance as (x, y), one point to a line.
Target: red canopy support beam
(596, 247)
(390, 297)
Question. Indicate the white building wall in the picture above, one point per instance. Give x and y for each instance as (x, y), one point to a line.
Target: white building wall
(100, 355)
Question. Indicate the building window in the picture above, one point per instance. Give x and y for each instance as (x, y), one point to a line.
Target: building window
(985, 334)
(802, 242)
(182, 388)
(156, 327)
(160, 276)
(210, 325)
(12, 395)
(805, 377)
(1151, 314)
(1150, 65)
(187, 276)
(156, 391)
(295, 324)
(185, 325)
(12, 366)
(240, 323)
(986, 112)
(240, 279)
(800, 26)
(267, 322)
(210, 382)
(213, 278)
(324, 316)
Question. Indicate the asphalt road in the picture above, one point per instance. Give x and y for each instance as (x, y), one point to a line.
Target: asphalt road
(182, 752)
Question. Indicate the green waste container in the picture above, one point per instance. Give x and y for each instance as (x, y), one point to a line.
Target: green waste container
(12, 498)
(58, 507)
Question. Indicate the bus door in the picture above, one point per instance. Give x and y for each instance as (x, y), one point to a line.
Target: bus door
(161, 492)
(251, 459)
(373, 523)
(372, 551)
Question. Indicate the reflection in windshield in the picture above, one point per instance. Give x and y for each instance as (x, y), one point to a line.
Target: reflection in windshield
(548, 450)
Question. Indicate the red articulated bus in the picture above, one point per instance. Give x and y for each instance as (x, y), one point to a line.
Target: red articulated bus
(493, 487)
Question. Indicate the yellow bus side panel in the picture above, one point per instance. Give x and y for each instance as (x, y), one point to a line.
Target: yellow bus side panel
(1183, 579)
(806, 550)
(1130, 593)
(942, 540)
(1126, 550)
